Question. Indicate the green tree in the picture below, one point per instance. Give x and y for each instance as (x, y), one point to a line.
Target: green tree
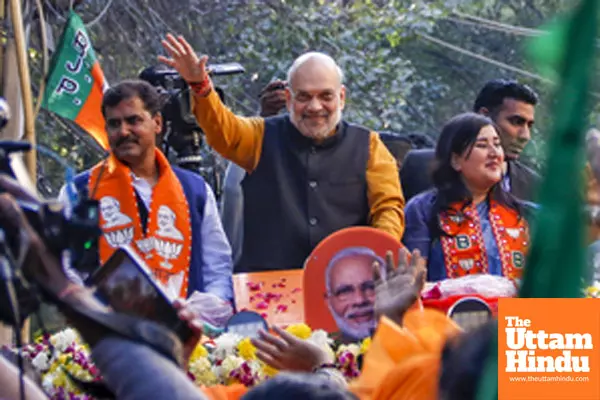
(397, 78)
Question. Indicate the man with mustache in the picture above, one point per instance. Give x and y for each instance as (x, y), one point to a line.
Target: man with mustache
(351, 291)
(164, 205)
(511, 105)
(309, 173)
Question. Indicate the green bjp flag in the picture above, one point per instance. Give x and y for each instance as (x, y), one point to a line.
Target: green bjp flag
(75, 83)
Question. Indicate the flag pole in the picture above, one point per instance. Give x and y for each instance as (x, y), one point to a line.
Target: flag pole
(25, 81)
(26, 98)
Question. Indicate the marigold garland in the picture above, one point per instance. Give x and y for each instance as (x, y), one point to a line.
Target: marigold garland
(225, 360)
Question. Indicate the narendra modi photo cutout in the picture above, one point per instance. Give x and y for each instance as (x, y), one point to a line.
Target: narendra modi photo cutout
(339, 289)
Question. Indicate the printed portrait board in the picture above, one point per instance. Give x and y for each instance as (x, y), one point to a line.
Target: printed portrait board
(339, 293)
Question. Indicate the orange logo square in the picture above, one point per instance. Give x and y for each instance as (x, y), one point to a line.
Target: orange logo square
(547, 349)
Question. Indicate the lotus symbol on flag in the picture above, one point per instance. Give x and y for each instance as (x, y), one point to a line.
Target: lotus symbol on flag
(168, 251)
(119, 237)
(146, 246)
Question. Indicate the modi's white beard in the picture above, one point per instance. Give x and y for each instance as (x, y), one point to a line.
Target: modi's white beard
(336, 117)
(358, 333)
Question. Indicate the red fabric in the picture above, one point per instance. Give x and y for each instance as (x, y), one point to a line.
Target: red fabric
(444, 305)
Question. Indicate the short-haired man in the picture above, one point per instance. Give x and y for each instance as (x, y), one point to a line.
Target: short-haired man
(351, 291)
(167, 214)
(309, 173)
(511, 105)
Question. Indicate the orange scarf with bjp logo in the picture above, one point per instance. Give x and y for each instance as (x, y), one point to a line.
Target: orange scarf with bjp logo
(166, 243)
(464, 247)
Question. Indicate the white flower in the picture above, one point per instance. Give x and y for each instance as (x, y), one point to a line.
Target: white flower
(201, 364)
(48, 383)
(226, 345)
(352, 348)
(255, 366)
(322, 339)
(63, 339)
(257, 369)
(41, 362)
(229, 364)
(203, 372)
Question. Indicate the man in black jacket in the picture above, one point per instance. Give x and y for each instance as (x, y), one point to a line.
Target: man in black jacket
(511, 106)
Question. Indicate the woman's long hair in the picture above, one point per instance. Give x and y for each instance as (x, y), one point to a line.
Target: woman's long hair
(458, 137)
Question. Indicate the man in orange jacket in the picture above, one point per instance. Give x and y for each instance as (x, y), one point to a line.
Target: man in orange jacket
(309, 173)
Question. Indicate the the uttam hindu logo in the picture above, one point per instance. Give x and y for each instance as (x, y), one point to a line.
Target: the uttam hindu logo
(524, 345)
(547, 349)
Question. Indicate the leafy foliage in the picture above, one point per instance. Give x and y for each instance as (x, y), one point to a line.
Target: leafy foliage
(397, 80)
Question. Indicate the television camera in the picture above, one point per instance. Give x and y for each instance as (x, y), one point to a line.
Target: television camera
(180, 131)
(58, 231)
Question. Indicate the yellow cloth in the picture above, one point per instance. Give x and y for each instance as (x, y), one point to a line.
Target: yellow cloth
(404, 362)
(239, 139)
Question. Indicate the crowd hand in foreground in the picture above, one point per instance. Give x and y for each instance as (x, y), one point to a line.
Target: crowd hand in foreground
(287, 352)
(188, 316)
(210, 308)
(397, 288)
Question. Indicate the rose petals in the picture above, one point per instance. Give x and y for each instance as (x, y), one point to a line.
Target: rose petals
(254, 286)
(282, 308)
(269, 296)
(263, 305)
(296, 290)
